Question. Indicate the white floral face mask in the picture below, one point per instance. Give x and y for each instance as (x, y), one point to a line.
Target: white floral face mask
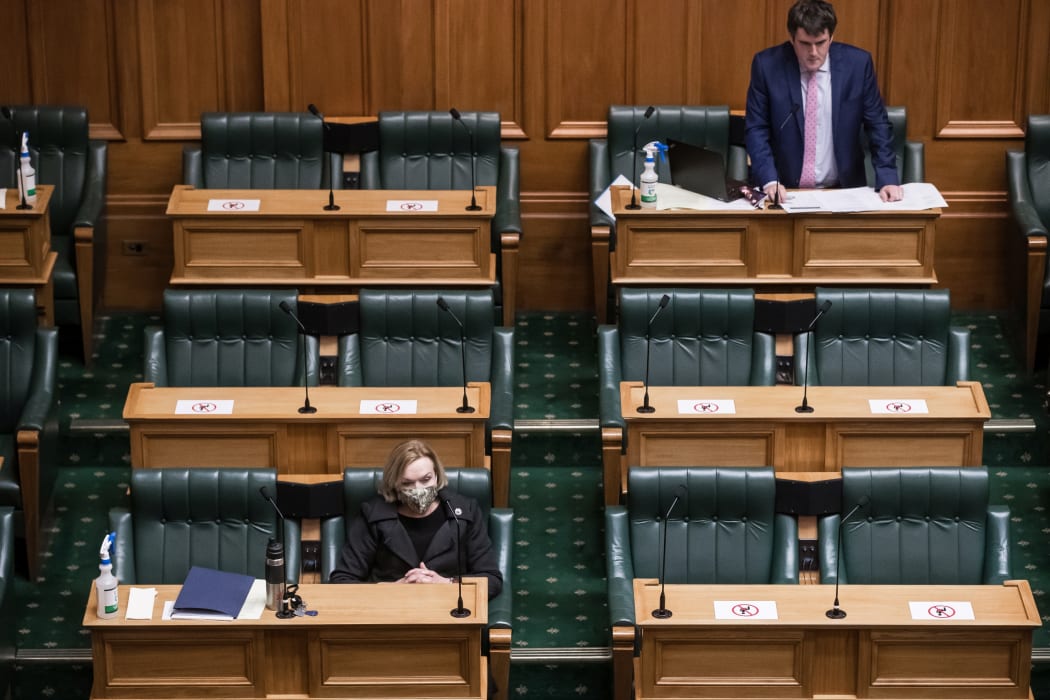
(418, 499)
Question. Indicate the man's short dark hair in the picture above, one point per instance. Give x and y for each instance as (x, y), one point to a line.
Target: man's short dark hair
(812, 15)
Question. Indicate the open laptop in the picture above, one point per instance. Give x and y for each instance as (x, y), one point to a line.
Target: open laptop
(697, 169)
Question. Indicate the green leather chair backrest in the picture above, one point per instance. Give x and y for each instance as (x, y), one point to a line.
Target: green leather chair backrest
(231, 337)
(405, 339)
(922, 526)
(262, 150)
(883, 337)
(429, 151)
(7, 597)
(704, 126)
(58, 146)
(702, 337)
(721, 531)
(910, 155)
(18, 337)
(180, 518)
(1037, 162)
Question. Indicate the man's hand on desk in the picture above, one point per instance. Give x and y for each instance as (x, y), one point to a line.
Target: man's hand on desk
(891, 193)
(771, 190)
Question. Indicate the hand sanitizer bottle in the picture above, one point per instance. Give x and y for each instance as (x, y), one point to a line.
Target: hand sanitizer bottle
(106, 583)
(27, 175)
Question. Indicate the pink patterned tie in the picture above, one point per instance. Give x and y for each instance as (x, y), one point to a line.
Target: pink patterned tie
(809, 155)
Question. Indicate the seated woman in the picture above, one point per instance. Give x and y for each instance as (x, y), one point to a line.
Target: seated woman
(407, 534)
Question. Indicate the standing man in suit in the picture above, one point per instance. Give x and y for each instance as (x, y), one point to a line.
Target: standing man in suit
(807, 102)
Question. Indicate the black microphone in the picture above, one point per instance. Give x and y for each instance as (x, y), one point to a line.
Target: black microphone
(331, 206)
(306, 407)
(645, 407)
(804, 407)
(443, 305)
(458, 611)
(22, 203)
(473, 206)
(634, 159)
(837, 613)
(275, 569)
(662, 613)
(776, 195)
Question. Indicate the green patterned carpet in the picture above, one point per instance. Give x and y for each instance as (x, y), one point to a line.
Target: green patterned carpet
(555, 490)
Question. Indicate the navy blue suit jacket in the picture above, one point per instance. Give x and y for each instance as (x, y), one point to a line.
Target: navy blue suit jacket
(774, 92)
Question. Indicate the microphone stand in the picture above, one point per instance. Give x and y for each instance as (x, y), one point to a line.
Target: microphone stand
(272, 549)
(459, 611)
(804, 407)
(634, 160)
(837, 613)
(443, 305)
(776, 194)
(473, 206)
(331, 206)
(306, 407)
(662, 613)
(645, 407)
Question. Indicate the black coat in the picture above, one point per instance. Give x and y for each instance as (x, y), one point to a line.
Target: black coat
(378, 547)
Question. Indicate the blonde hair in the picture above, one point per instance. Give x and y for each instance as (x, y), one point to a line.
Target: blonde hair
(402, 456)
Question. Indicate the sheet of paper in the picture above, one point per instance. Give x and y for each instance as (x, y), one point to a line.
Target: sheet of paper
(604, 201)
(917, 197)
(233, 204)
(706, 406)
(941, 610)
(255, 603)
(672, 197)
(3, 198)
(802, 202)
(745, 610)
(140, 604)
(411, 205)
(899, 406)
(387, 407)
(204, 406)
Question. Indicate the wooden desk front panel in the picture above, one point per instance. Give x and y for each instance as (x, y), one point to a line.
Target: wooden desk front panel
(217, 249)
(419, 248)
(25, 236)
(657, 248)
(864, 247)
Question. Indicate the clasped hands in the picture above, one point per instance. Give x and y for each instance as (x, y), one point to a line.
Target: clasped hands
(422, 574)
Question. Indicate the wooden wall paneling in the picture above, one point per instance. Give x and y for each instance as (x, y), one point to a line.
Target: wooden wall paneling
(74, 59)
(196, 56)
(1037, 89)
(972, 236)
(980, 91)
(908, 69)
(586, 66)
(137, 282)
(725, 66)
(555, 252)
(664, 64)
(400, 62)
(18, 63)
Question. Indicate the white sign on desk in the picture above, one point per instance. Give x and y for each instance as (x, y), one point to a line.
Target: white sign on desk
(233, 205)
(204, 407)
(408, 205)
(941, 610)
(706, 406)
(745, 610)
(388, 408)
(898, 406)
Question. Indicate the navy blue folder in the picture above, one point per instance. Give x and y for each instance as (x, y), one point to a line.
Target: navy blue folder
(210, 592)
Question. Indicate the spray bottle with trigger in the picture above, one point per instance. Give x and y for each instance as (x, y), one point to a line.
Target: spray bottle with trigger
(26, 174)
(649, 178)
(106, 583)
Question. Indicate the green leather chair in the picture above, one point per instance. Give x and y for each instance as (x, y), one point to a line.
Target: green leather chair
(724, 531)
(7, 598)
(65, 157)
(359, 485)
(406, 340)
(228, 337)
(429, 151)
(1028, 184)
(216, 518)
(922, 526)
(260, 151)
(705, 337)
(28, 416)
(911, 155)
(884, 337)
(612, 156)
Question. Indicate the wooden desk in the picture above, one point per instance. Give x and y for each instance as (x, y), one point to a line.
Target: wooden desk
(266, 429)
(877, 651)
(26, 258)
(771, 249)
(291, 239)
(367, 641)
(766, 431)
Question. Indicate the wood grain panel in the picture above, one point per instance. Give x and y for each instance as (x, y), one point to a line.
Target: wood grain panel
(400, 64)
(137, 282)
(14, 37)
(980, 93)
(725, 67)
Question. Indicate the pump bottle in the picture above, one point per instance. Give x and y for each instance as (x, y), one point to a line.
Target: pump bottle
(649, 178)
(106, 583)
(27, 175)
